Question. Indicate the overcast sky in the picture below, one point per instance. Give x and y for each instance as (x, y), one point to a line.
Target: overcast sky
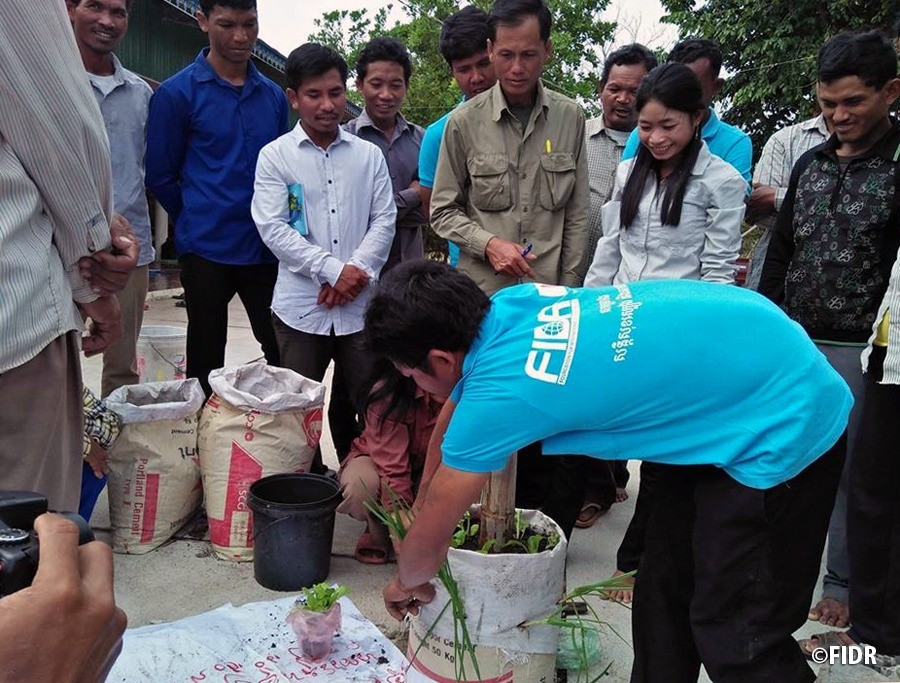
(285, 24)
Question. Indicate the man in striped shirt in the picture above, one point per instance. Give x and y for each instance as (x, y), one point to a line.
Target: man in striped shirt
(605, 138)
(55, 215)
(770, 182)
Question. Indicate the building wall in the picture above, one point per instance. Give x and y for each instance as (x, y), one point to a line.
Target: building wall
(162, 40)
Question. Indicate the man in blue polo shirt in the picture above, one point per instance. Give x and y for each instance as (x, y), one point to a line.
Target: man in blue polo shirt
(704, 57)
(463, 44)
(206, 126)
(664, 371)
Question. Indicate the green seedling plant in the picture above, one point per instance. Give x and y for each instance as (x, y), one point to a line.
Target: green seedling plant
(393, 516)
(486, 548)
(568, 615)
(532, 544)
(466, 529)
(321, 597)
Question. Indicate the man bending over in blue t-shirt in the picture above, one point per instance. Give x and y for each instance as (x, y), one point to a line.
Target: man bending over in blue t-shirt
(679, 373)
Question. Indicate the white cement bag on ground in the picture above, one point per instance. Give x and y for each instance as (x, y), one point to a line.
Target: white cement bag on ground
(154, 471)
(260, 420)
(499, 593)
(254, 644)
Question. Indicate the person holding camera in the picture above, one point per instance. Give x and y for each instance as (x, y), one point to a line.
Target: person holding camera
(69, 609)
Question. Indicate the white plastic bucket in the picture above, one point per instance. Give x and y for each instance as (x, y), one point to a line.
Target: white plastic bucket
(161, 353)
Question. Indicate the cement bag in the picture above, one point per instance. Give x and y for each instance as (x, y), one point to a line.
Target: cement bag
(154, 471)
(260, 420)
(499, 593)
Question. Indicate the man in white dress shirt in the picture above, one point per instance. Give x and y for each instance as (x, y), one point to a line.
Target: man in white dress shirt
(324, 204)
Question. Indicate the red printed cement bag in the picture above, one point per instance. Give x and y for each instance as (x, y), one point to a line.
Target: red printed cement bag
(154, 470)
(260, 420)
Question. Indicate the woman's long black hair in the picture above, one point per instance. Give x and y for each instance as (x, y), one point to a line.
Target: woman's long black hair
(385, 383)
(676, 87)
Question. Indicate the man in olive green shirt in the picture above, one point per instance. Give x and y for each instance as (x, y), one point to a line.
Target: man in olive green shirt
(511, 187)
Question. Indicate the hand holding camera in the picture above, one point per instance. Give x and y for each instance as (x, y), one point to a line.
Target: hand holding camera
(65, 626)
(18, 541)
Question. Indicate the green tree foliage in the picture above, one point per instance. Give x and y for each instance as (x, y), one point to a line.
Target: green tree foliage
(348, 30)
(579, 37)
(770, 49)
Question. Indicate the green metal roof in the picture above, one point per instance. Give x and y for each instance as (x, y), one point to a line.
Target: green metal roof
(262, 50)
(163, 38)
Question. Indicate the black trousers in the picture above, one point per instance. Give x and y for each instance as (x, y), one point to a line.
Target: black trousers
(208, 289)
(728, 573)
(342, 414)
(553, 484)
(603, 478)
(873, 516)
(310, 354)
(631, 548)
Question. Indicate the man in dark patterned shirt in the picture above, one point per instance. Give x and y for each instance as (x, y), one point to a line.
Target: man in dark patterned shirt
(836, 238)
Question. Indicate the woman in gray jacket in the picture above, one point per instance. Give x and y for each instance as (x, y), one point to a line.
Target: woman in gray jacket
(675, 213)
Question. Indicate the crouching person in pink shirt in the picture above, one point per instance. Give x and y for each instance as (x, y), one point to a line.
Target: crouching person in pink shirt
(386, 462)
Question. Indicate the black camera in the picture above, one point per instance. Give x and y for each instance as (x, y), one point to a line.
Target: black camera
(19, 543)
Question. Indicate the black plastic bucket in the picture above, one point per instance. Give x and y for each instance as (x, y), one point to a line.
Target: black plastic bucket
(293, 526)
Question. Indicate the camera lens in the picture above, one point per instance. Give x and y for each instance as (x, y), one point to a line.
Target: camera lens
(12, 536)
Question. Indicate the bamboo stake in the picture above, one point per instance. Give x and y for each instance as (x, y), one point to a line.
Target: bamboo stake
(498, 506)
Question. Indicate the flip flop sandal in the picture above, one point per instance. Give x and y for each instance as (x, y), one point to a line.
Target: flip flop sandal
(589, 514)
(826, 640)
(370, 552)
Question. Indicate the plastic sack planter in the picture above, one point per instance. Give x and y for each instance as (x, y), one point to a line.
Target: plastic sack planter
(499, 592)
(315, 630)
(293, 527)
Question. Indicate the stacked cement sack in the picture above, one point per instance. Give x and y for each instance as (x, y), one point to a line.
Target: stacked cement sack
(260, 420)
(154, 471)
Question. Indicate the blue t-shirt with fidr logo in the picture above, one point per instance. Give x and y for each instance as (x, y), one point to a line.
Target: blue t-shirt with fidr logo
(668, 371)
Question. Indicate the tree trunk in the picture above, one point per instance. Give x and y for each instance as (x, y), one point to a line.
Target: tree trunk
(498, 506)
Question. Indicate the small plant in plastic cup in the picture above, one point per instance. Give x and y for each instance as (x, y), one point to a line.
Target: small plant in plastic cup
(316, 617)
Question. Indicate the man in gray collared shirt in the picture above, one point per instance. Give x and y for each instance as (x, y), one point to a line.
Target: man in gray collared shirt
(123, 98)
(606, 135)
(382, 76)
(383, 69)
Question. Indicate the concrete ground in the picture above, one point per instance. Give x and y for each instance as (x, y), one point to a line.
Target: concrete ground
(184, 577)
